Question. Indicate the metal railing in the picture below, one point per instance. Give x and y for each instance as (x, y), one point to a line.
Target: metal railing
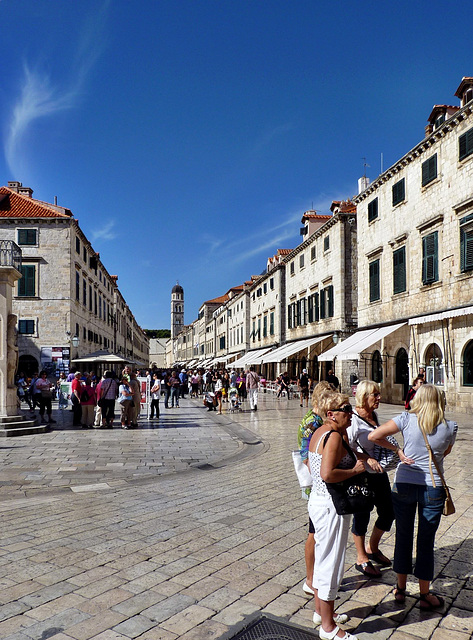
(10, 254)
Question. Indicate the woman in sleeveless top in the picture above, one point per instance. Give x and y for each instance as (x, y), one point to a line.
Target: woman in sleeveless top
(329, 461)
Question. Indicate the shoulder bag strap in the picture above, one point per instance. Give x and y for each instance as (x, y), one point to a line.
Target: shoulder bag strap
(345, 445)
(432, 457)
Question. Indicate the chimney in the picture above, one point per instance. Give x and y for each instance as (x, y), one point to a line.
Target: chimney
(363, 183)
(18, 187)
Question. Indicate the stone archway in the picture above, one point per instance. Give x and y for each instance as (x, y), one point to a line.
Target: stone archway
(28, 364)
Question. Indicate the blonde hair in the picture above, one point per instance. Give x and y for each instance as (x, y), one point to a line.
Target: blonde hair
(428, 404)
(319, 389)
(363, 390)
(331, 400)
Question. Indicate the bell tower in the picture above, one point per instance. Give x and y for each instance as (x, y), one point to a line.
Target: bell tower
(177, 310)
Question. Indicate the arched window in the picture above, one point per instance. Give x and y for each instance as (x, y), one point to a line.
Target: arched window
(28, 364)
(402, 367)
(377, 367)
(434, 368)
(468, 365)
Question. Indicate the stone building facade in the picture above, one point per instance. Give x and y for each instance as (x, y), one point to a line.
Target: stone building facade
(416, 260)
(65, 290)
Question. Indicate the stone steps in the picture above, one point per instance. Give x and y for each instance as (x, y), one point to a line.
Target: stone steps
(20, 426)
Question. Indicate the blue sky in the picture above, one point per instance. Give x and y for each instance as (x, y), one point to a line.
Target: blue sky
(188, 137)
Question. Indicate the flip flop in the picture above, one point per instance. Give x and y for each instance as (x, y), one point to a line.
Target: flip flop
(362, 568)
(378, 557)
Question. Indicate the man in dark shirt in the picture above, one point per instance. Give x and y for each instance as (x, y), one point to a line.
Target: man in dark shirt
(332, 378)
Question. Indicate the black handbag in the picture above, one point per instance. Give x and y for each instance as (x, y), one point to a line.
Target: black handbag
(352, 495)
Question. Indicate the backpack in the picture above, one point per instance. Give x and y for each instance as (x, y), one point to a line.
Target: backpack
(84, 396)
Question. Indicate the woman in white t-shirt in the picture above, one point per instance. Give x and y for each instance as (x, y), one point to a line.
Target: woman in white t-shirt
(418, 487)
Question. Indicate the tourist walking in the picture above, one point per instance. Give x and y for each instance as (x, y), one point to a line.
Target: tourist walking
(88, 400)
(304, 384)
(107, 391)
(125, 398)
(155, 394)
(136, 399)
(418, 487)
(174, 385)
(45, 387)
(416, 384)
(76, 391)
(252, 383)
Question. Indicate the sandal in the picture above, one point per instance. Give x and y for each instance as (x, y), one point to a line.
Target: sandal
(427, 605)
(400, 594)
(372, 573)
(381, 559)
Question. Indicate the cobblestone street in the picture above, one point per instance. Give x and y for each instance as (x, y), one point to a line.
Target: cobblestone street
(185, 529)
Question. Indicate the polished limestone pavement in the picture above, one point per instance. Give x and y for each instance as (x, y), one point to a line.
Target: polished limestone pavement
(190, 526)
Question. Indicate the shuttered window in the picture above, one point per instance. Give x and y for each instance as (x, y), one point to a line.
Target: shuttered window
(27, 237)
(374, 281)
(373, 210)
(27, 282)
(271, 323)
(26, 326)
(465, 144)
(399, 270)
(466, 243)
(430, 261)
(399, 192)
(329, 301)
(429, 170)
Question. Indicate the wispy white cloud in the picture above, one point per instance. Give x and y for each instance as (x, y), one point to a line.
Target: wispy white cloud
(106, 232)
(41, 97)
(272, 237)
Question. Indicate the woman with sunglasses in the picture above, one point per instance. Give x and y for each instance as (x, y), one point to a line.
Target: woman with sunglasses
(363, 422)
(330, 461)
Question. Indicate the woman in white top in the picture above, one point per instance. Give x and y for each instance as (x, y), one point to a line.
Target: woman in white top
(418, 487)
(329, 461)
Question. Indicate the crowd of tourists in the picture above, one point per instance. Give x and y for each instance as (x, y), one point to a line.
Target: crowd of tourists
(345, 454)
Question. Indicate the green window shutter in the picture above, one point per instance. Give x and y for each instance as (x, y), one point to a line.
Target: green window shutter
(322, 304)
(465, 143)
(466, 243)
(430, 271)
(374, 281)
(26, 326)
(271, 323)
(27, 236)
(330, 301)
(399, 192)
(429, 170)
(265, 326)
(298, 313)
(289, 319)
(310, 305)
(316, 307)
(373, 210)
(27, 283)
(399, 270)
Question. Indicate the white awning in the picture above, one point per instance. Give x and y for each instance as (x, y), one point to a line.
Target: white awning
(351, 348)
(252, 357)
(436, 317)
(281, 353)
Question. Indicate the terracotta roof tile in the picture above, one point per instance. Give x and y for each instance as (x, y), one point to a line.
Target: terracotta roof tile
(219, 300)
(16, 205)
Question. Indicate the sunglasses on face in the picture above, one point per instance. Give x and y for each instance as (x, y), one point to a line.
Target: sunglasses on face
(375, 395)
(347, 408)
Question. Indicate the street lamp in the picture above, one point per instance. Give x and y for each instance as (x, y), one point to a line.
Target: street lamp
(335, 338)
(75, 341)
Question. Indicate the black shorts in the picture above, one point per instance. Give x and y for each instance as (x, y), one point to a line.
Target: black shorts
(311, 527)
